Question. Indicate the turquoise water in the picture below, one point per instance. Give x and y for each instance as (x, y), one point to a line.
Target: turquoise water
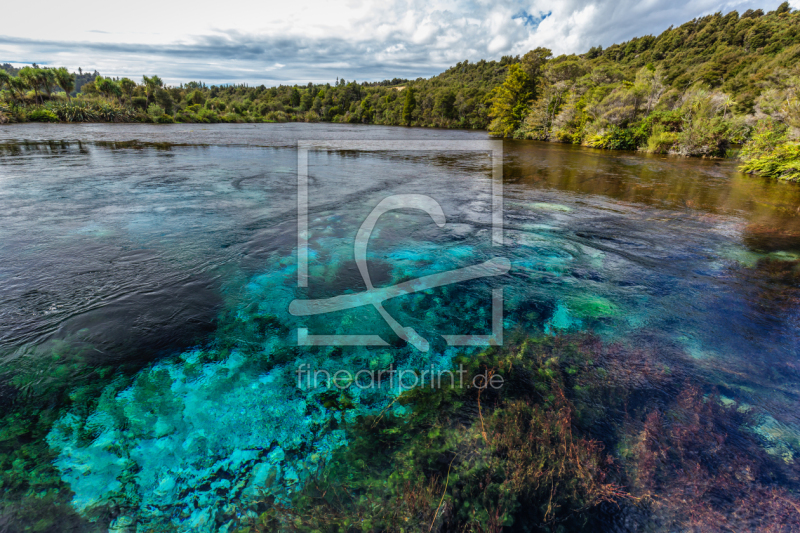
(150, 364)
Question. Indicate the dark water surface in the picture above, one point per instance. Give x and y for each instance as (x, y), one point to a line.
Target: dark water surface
(149, 359)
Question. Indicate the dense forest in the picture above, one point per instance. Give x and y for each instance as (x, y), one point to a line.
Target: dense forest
(720, 85)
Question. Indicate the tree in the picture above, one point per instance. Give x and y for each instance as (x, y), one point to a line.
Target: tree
(31, 77)
(19, 86)
(127, 86)
(444, 104)
(533, 62)
(65, 81)
(47, 80)
(164, 100)
(409, 105)
(195, 97)
(151, 84)
(727, 102)
(4, 79)
(108, 87)
(306, 101)
(510, 102)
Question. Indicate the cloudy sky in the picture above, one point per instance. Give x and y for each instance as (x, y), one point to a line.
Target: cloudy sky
(297, 41)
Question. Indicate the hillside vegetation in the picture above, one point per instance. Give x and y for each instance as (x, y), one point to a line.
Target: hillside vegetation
(701, 89)
(707, 88)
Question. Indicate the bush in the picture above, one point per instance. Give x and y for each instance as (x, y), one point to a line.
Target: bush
(334, 111)
(196, 98)
(73, 112)
(164, 99)
(42, 115)
(782, 163)
(769, 152)
(615, 138)
(277, 116)
(704, 137)
(139, 102)
(207, 115)
(660, 141)
(155, 111)
(311, 116)
(231, 117)
(768, 136)
(81, 111)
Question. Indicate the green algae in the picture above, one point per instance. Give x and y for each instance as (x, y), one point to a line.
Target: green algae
(588, 306)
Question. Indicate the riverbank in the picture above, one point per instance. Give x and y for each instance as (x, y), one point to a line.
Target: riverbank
(769, 153)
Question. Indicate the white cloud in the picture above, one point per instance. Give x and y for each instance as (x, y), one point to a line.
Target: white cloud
(318, 41)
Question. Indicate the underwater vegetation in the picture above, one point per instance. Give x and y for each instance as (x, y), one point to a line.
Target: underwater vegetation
(461, 459)
(60, 373)
(585, 433)
(582, 436)
(649, 372)
(682, 459)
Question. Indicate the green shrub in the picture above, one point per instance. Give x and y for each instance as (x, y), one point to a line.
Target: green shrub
(703, 136)
(196, 98)
(207, 115)
(42, 115)
(111, 113)
(139, 102)
(770, 153)
(73, 112)
(615, 138)
(277, 116)
(311, 116)
(660, 141)
(334, 111)
(768, 136)
(155, 111)
(231, 117)
(782, 163)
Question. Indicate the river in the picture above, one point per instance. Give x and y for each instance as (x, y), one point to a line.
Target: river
(150, 359)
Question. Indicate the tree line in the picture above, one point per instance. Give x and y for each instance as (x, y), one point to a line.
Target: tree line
(705, 88)
(718, 85)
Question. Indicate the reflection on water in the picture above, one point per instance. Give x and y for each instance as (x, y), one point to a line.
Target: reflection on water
(149, 358)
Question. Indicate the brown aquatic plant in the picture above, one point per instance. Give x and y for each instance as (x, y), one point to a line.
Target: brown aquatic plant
(705, 473)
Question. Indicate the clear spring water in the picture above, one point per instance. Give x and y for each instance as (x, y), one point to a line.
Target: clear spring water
(149, 358)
